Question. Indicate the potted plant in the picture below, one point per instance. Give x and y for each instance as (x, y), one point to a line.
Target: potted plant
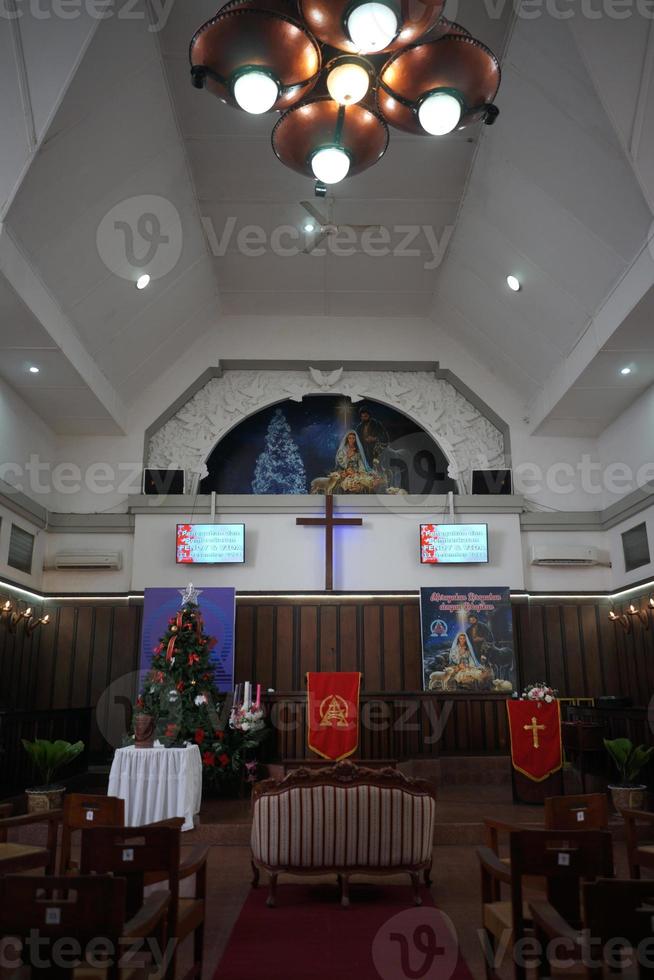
(628, 760)
(48, 758)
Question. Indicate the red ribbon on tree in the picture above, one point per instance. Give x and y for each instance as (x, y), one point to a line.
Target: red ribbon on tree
(170, 652)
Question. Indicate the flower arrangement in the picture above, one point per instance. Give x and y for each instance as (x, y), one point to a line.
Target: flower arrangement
(539, 692)
(246, 719)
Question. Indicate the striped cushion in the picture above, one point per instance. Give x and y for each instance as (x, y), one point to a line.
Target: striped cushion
(343, 827)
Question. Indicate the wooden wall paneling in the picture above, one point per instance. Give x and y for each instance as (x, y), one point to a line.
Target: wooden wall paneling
(308, 643)
(44, 676)
(554, 649)
(533, 654)
(573, 653)
(64, 666)
(392, 648)
(591, 651)
(245, 642)
(348, 637)
(606, 638)
(261, 661)
(99, 677)
(329, 658)
(284, 649)
(372, 648)
(83, 652)
(126, 636)
(411, 648)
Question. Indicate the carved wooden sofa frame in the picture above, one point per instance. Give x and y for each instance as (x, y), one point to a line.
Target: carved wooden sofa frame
(275, 804)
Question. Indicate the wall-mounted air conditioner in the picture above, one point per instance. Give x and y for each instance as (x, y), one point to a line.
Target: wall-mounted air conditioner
(111, 561)
(582, 556)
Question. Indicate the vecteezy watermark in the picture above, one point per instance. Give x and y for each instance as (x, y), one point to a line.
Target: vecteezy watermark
(41, 477)
(114, 709)
(155, 12)
(43, 952)
(415, 945)
(141, 234)
(559, 9)
(341, 240)
(564, 952)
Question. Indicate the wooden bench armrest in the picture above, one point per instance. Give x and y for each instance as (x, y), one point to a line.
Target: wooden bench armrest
(491, 865)
(48, 816)
(193, 861)
(636, 816)
(551, 923)
(146, 921)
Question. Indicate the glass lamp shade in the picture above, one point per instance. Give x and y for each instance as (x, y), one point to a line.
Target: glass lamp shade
(419, 87)
(348, 83)
(253, 49)
(256, 92)
(372, 27)
(366, 28)
(306, 137)
(440, 113)
(331, 164)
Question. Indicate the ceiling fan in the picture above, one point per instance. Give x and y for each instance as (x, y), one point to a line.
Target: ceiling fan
(326, 226)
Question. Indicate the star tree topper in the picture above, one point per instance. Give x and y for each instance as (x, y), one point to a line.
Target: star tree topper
(190, 594)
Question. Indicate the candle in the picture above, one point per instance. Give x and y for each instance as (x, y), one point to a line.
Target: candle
(247, 697)
(258, 703)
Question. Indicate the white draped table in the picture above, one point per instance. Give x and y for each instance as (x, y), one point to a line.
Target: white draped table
(157, 784)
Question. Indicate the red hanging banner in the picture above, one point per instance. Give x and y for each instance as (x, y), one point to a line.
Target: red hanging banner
(333, 714)
(535, 731)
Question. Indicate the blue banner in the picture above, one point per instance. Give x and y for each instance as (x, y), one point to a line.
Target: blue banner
(218, 609)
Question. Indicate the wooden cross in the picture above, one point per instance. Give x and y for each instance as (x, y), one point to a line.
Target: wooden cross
(534, 728)
(329, 522)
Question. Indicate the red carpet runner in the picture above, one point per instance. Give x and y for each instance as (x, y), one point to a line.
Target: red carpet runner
(382, 936)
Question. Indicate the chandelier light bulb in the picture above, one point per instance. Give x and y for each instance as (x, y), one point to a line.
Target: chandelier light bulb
(372, 27)
(348, 83)
(330, 165)
(513, 283)
(256, 92)
(143, 281)
(440, 113)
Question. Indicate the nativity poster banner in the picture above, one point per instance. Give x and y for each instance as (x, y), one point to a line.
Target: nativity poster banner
(467, 640)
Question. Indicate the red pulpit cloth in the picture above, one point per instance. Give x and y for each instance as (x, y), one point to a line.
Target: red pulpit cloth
(333, 714)
(535, 732)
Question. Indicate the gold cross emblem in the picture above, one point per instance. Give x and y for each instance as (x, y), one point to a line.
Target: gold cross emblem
(333, 712)
(534, 728)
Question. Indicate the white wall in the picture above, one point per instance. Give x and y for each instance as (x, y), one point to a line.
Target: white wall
(79, 581)
(561, 579)
(383, 554)
(22, 435)
(629, 441)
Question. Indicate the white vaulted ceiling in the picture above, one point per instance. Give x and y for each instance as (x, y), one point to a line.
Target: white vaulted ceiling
(550, 194)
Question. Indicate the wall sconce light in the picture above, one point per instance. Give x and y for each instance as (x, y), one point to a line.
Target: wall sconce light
(623, 620)
(642, 614)
(11, 616)
(33, 623)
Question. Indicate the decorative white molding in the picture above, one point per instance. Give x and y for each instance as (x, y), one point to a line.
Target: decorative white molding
(468, 439)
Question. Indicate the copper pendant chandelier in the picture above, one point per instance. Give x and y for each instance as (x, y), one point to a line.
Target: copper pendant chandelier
(339, 71)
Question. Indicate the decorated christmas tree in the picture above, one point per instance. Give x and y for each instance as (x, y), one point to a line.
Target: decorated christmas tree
(279, 468)
(180, 694)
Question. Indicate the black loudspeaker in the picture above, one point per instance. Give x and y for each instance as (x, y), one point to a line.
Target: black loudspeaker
(492, 482)
(163, 481)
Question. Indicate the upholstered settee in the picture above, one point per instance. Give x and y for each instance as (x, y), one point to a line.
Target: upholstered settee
(346, 820)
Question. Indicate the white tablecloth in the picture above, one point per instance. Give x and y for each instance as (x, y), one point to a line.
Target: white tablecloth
(157, 784)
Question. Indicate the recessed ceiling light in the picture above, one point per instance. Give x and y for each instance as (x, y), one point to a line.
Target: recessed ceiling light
(513, 283)
(34, 369)
(625, 370)
(143, 281)
(309, 226)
